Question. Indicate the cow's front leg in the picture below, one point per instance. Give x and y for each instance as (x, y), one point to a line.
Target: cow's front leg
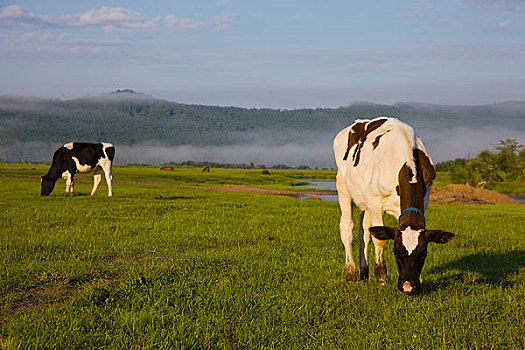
(380, 266)
(376, 219)
(346, 226)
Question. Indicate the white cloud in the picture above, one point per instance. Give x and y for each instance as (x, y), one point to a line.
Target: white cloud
(110, 18)
(171, 20)
(182, 23)
(107, 18)
(13, 11)
(504, 24)
(222, 21)
(14, 16)
(409, 15)
(507, 5)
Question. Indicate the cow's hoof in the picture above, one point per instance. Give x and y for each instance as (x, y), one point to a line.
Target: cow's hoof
(363, 274)
(380, 272)
(350, 273)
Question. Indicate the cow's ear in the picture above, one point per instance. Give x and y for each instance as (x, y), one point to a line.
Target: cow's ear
(439, 236)
(383, 232)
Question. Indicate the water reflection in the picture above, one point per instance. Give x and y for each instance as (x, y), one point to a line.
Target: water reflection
(320, 183)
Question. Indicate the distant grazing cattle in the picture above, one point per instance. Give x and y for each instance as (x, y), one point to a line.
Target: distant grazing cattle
(76, 157)
(167, 168)
(206, 169)
(265, 172)
(383, 167)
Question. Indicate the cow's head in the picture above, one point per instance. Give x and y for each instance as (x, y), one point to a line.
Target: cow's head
(48, 183)
(410, 250)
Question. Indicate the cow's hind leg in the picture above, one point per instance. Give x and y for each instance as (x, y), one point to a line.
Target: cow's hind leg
(108, 180)
(346, 226)
(96, 180)
(106, 166)
(69, 184)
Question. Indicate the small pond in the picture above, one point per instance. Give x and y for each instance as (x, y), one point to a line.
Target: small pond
(521, 199)
(320, 183)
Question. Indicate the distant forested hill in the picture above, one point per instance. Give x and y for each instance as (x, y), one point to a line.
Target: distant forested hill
(133, 119)
(130, 121)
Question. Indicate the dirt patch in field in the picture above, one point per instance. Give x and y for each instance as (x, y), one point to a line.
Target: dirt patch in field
(57, 292)
(464, 194)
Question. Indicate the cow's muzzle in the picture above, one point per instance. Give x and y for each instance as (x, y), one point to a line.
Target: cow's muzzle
(407, 287)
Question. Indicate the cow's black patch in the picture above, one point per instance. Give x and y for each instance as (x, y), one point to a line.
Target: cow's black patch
(357, 136)
(110, 151)
(376, 141)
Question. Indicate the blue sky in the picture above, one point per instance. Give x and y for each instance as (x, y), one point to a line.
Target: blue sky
(287, 54)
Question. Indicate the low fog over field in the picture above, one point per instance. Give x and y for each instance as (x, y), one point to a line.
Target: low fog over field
(146, 130)
(444, 145)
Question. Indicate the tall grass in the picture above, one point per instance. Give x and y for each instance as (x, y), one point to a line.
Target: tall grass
(161, 265)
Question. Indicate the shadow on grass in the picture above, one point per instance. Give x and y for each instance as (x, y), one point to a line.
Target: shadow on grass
(162, 198)
(173, 198)
(494, 268)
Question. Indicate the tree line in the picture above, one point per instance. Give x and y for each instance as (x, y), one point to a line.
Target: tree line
(136, 121)
(505, 162)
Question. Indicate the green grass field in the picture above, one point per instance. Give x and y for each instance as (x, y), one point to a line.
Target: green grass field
(168, 263)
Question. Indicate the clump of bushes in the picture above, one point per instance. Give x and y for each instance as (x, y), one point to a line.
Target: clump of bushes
(505, 162)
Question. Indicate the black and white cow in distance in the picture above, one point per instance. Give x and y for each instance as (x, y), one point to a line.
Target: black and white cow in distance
(76, 157)
(383, 167)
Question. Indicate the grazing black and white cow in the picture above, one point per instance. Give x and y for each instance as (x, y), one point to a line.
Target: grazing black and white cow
(383, 167)
(76, 157)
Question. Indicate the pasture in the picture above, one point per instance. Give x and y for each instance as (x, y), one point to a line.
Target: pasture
(169, 263)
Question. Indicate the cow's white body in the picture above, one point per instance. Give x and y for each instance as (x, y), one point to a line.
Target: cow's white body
(371, 183)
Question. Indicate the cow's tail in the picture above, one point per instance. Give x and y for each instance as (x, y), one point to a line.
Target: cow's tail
(363, 264)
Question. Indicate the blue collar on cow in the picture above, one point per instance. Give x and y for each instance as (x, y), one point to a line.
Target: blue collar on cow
(412, 209)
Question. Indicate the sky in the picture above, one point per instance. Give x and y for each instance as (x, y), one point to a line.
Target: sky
(271, 53)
